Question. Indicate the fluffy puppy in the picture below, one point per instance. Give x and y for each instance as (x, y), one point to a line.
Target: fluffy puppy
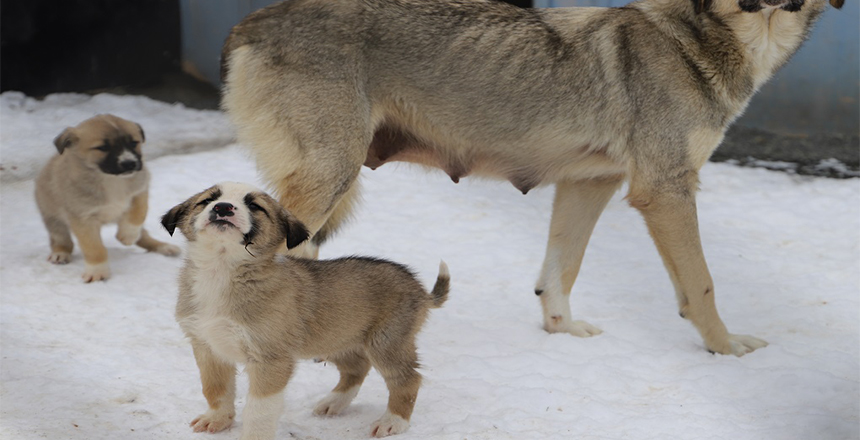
(97, 178)
(240, 301)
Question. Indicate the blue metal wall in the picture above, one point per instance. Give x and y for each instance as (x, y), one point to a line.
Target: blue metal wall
(818, 91)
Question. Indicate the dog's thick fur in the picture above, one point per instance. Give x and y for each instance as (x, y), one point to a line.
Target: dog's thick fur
(97, 178)
(240, 301)
(583, 98)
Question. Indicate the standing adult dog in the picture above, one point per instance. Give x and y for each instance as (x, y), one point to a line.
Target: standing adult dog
(98, 178)
(584, 98)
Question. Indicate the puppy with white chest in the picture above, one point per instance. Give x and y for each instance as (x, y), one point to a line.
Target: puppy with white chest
(97, 178)
(240, 301)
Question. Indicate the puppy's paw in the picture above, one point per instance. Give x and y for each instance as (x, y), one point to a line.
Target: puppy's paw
(96, 272)
(60, 257)
(740, 345)
(389, 424)
(582, 329)
(128, 234)
(168, 250)
(213, 421)
(335, 403)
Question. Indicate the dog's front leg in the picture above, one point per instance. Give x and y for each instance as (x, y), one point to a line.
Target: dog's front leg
(576, 208)
(219, 387)
(131, 223)
(669, 209)
(95, 253)
(265, 398)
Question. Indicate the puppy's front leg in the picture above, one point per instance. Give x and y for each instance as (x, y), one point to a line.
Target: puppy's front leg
(219, 388)
(131, 223)
(95, 254)
(265, 398)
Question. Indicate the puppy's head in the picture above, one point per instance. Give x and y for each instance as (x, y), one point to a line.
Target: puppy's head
(105, 142)
(236, 218)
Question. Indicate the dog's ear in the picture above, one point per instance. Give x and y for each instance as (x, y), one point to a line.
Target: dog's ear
(705, 5)
(142, 135)
(174, 217)
(65, 139)
(295, 231)
(837, 3)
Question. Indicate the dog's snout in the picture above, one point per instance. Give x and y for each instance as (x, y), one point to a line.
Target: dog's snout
(128, 165)
(224, 209)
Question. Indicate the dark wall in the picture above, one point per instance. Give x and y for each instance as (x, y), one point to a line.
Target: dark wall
(78, 45)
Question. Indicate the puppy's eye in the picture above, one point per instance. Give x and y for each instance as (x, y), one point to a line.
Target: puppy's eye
(102, 148)
(255, 207)
(206, 201)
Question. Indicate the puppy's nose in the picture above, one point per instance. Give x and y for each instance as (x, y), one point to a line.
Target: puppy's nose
(128, 165)
(223, 209)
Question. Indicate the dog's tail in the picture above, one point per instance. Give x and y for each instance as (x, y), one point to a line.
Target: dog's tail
(439, 294)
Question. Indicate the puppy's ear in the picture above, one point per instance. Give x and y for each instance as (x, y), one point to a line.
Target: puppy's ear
(65, 139)
(702, 5)
(142, 135)
(174, 217)
(295, 231)
(837, 3)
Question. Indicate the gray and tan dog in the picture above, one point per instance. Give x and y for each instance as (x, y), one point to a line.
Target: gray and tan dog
(97, 178)
(583, 98)
(242, 302)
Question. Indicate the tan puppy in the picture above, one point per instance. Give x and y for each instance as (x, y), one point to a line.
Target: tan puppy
(240, 301)
(582, 98)
(98, 178)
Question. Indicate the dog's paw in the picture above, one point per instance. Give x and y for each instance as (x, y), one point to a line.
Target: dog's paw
(582, 329)
(96, 272)
(389, 424)
(740, 345)
(60, 257)
(168, 250)
(128, 234)
(213, 421)
(335, 403)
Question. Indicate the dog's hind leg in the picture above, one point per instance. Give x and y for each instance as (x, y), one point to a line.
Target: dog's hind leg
(353, 369)
(61, 240)
(669, 209)
(152, 245)
(396, 363)
(576, 208)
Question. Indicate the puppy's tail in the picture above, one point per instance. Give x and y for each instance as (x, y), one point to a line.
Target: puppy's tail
(439, 294)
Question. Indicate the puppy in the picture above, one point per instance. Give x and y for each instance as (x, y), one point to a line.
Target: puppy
(242, 301)
(98, 178)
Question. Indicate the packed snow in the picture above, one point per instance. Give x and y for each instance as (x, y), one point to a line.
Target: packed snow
(108, 361)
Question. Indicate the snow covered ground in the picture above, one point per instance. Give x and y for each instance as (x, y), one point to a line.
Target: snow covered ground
(107, 360)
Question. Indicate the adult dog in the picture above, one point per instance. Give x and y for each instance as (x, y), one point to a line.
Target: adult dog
(584, 98)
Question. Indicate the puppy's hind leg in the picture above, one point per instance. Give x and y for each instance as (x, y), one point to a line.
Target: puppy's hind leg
(576, 208)
(353, 369)
(152, 245)
(61, 240)
(396, 362)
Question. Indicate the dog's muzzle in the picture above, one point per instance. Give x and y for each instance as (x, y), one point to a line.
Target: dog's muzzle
(221, 214)
(758, 5)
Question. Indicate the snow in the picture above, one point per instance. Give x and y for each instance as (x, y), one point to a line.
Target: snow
(108, 361)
